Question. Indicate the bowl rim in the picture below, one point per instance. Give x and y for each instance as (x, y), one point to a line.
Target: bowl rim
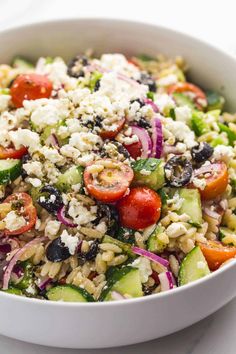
(133, 301)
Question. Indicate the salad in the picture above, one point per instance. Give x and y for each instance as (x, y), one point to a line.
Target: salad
(117, 178)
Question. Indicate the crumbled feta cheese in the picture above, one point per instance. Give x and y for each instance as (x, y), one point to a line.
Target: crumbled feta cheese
(34, 181)
(176, 201)
(4, 138)
(127, 140)
(33, 168)
(52, 228)
(71, 242)
(223, 153)
(183, 114)
(26, 138)
(167, 80)
(164, 102)
(181, 131)
(31, 290)
(144, 267)
(199, 182)
(80, 214)
(4, 102)
(84, 141)
(176, 229)
(51, 154)
(14, 221)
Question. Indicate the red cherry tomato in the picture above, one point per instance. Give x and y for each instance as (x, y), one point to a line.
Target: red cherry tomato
(22, 203)
(30, 87)
(140, 208)
(111, 134)
(182, 87)
(11, 153)
(111, 183)
(216, 183)
(135, 149)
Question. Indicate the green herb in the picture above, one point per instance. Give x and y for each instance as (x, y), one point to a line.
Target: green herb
(230, 133)
(146, 164)
(145, 57)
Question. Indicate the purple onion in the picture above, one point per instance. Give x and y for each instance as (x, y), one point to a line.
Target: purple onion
(52, 140)
(144, 139)
(42, 285)
(152, 256)
(148, 101)
(157, 138)
(5, 248)
(64, 219)
(167, 281)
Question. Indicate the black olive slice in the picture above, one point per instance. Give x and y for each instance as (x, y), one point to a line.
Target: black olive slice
(76, 66)
(56, 251)
(202, 152)
(178, 171)
(52, 200)
(146, 79)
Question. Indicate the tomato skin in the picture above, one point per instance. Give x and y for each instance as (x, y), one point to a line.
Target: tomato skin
(11, 153)
(111, 183)
(216, 185)
(135, 149)
(111, 134)
(140, 208)
(29, 212)
(182, 87)
(216, 253)
(30, 87)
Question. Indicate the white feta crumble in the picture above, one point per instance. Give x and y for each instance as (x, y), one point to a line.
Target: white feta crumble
(36, 182)
(70, 151)
(176, 201)
(84, 141)
(52, 228)
(181, 131)
(4, 138)
(4, 102)
(31, 290)
(199, 183)
(183, 114)
(167, 80)
(164, 102)
(33, 168)
(51, 154)
(144, 267)
(176, 229)
(14, 221)
(71, 242)
(26, 138)
(223, 153)
(79, 213)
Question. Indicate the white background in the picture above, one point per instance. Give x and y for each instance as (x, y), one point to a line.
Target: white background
(211, 20)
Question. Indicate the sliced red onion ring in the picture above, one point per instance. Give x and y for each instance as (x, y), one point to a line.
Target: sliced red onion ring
(13, 261)
(212, 214)
(152, 256)
(170, 149)
(144, 139)
(204, 169)
(52, 140)
(167, 281)
(117, 296)
(5, 248)
(157, 138)
(63, 218)
(152, 104)
(44, 282)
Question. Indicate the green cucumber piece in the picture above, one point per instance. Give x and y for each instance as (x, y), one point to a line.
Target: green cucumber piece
(194, 266)
(126, 248)
(22, 63)
(52, 129)
(154, 244)
(95, 77)
(27, 279)
(214, 100)
(199, 124)
(125, 281)
(183, 100)
(69, 293)
(74, 175)
(191, 204)
(230, 133)
(10, 169)
(155, 177)
(126, 235)
(12, 290)
(225, 232)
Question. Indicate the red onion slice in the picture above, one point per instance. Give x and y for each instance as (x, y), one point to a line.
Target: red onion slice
(152, 256)
(144, 139)
(157, 138)
(204, 169)
(212, 214)
(167, 281)
(64, 219)
(13, 261)
(152, 104)
(117, 296)
(170, 149)
(52, 140)
(44, 282)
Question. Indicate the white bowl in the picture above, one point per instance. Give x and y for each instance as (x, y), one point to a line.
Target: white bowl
(96, 325)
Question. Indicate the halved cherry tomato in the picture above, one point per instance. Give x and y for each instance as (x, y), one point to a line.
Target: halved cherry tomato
(11, 153)
(30, 87)
(111, 134)
(133, 61)
(135, 149)
(23, 204)
(140, 208)
(111, 183)
(216, 184)
(182, 87)
(216, 253)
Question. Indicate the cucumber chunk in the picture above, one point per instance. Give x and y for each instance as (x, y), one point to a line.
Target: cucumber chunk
(69, 293)
(227, 236)
(126, 248)
(10, 169)
(214, 100)
(149, 172)
(194, 266)
(21, 63)
(27, 279)
(191, 204)
(74, 175)
(12, 290)
(182, 100)
(126, 235)
(125, 281)
(230, 133)
(154, 243)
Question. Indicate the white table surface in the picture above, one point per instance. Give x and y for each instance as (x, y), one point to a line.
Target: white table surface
(211, 20)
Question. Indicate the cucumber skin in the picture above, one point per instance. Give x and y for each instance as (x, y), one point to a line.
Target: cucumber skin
(155, 180)
(153, 244)
(12, 290)
(65, 186)
(81, 292)
(196, 212)
(11, 174)
(185, 263)
(126, 248)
